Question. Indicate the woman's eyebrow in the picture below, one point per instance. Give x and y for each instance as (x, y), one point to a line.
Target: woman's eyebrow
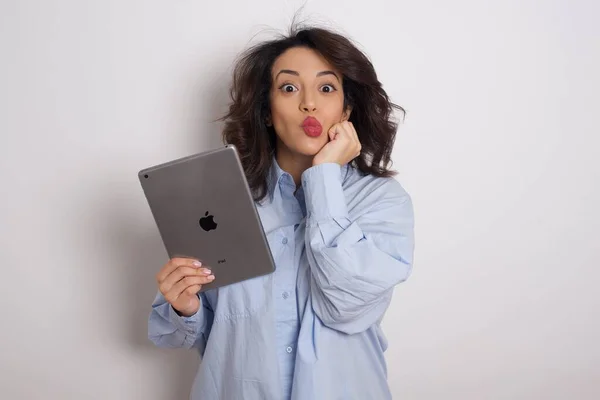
(296, 73)
(287, 71)
(328, 73)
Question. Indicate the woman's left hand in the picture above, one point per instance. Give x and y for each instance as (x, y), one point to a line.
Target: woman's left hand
(343, 145)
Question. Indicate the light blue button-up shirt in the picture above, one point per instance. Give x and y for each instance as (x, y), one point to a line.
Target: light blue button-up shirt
(310, 330)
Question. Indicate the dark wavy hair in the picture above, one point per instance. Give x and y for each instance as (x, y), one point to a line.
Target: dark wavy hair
(245, 122)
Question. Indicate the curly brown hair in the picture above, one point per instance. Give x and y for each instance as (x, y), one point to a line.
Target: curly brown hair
(245, 122)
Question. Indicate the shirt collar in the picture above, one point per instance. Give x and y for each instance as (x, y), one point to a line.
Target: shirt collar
(276, 176)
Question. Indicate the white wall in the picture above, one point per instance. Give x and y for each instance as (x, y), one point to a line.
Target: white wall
(498, 150)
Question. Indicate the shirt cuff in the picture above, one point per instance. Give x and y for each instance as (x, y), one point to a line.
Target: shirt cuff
(323, 192)
(186, 324)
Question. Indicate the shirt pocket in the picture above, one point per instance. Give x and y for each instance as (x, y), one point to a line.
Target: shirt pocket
(243, 299)
(249, 297)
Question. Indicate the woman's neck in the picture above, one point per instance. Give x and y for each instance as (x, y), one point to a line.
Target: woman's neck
(293, 164)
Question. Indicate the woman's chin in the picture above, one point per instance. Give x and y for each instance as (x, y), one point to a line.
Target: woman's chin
(310, 148)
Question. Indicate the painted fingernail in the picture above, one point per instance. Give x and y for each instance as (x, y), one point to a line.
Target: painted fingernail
(197, 264)
(207, 271)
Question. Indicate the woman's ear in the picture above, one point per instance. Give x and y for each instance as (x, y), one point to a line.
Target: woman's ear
(346, 114)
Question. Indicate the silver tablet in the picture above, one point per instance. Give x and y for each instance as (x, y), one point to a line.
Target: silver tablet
(203, 209)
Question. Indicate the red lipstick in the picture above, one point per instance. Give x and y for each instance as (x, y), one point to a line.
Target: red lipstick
(312, 127)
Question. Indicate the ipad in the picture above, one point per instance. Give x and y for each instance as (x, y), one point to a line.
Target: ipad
(203, 208)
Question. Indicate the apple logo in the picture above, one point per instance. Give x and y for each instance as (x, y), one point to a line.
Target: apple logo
(207, 222)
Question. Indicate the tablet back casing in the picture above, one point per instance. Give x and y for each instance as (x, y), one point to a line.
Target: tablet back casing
(203, 209)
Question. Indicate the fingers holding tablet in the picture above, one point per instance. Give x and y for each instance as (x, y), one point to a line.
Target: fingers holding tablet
(180, 280)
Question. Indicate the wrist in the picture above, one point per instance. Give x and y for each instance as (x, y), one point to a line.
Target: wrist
(184, 313)
(319, 162)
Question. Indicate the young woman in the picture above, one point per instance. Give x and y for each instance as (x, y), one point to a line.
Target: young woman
(314, 130)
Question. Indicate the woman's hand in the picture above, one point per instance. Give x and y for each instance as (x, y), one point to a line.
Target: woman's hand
(180, 280)
(343, 145)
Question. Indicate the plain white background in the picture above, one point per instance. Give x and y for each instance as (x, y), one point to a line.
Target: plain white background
(499, 150)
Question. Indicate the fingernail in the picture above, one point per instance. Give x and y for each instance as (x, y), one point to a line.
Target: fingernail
(197, 264)
(211, 277)
(207, 271)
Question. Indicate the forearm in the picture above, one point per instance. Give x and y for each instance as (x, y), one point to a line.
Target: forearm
(355, 264)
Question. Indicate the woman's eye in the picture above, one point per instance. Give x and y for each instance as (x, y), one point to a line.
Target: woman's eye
(327, 88)
(288, 88)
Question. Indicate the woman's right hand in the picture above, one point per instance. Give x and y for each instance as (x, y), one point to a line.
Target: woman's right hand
(180, 280)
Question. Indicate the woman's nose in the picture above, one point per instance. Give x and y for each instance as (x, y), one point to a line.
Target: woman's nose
(307, 104)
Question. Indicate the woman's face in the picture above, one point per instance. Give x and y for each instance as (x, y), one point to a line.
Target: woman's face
(305, 85)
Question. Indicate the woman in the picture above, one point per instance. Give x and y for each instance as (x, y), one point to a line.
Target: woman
(313, 127)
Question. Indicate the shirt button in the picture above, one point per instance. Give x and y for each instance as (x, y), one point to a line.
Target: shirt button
(285, 295)
(289, 349)
(284, 240)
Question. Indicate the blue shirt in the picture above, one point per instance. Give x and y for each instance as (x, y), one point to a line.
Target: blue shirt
(310, 330)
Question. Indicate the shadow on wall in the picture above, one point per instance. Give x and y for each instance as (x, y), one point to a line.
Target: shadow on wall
(141, 253)
(207, 102)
